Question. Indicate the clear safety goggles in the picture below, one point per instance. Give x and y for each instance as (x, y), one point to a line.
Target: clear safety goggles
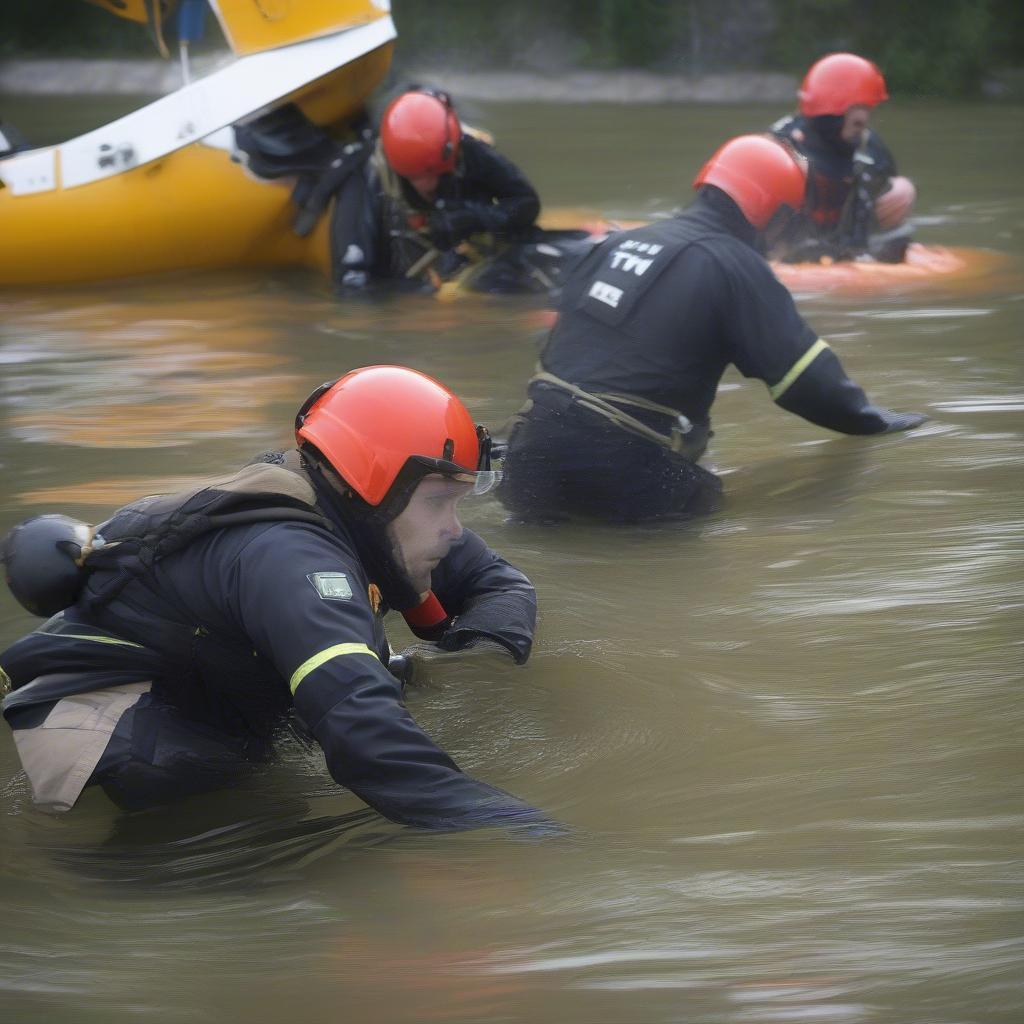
(483, 479)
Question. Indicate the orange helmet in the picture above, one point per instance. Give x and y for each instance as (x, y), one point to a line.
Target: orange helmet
(420, 134)
(758, 174)
(840, 81)
(383, 428)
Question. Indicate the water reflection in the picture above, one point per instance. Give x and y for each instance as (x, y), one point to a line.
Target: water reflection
(138, 375)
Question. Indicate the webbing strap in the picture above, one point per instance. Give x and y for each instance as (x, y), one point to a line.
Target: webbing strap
(779, 389)
(391, 185)
(313, 663)
(601, 403)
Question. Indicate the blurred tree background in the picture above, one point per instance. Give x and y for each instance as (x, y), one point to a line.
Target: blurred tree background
(925, 47)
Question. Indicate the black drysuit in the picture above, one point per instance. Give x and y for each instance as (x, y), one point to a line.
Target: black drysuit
(247, 621)
(658, 313)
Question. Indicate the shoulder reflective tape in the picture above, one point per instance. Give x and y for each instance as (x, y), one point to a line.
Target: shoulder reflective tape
(337, 651)
(778, 390)
(97, 639)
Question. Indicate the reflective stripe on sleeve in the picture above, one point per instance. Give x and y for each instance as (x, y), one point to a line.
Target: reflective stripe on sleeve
(311, 664)
(778, 390)
(97, 639)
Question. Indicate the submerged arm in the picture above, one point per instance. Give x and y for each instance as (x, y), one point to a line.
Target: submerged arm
(328, 649)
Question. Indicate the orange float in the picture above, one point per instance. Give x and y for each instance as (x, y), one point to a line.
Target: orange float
(926, 266)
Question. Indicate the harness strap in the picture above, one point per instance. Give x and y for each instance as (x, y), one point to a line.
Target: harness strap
(398, 217)
(422, 260)
(605, 404)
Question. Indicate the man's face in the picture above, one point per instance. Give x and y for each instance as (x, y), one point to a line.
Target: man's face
(425, 185)
(855, 120)
(427, 527)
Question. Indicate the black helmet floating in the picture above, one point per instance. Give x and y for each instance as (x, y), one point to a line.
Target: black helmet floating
(39, 557)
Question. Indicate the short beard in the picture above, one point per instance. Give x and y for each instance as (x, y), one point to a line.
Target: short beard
(400, 565)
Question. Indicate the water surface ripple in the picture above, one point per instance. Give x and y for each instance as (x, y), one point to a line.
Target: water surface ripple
(787, 737)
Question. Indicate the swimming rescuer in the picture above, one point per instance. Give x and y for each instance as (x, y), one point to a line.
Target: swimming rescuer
(199, 620)
(427, 186)
(619, 413)
(855, 202)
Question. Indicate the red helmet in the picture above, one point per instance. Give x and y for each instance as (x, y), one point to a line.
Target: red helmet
(420, 134)
(840, 81)
(383, 428)
(758, 174)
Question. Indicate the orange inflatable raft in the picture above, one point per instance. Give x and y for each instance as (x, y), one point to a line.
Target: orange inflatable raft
(926, 266)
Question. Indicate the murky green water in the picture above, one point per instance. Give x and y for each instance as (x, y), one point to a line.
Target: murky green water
(788, 737)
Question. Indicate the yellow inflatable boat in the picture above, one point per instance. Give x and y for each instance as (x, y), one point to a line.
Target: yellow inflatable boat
(162, 188)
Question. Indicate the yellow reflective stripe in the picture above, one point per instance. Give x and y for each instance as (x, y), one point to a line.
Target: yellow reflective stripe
(310, 664)
(778, 390)
(97, 639)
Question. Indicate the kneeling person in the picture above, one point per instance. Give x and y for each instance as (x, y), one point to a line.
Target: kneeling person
(856, 203)
(206, 616)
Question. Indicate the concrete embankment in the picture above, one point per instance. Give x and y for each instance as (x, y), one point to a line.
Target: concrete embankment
(147, 77)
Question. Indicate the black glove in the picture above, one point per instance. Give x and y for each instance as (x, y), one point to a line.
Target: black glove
(449, 227)
(895, 421)
(402, 668)
(456, 639)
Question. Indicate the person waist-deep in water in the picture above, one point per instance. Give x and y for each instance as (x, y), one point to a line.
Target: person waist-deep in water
(428, 186)
(856, 203)
(207, 616)
(619, 413)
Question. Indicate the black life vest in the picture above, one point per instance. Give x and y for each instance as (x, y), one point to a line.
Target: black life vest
(141, 533)
(215, 679)
(842, 180)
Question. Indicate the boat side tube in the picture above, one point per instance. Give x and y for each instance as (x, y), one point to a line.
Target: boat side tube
(191, 113)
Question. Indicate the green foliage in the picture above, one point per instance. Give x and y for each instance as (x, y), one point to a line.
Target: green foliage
(946, 54)
(937, 47)
(34, 28)
(629, 35)
(925, 47)
(70, 28)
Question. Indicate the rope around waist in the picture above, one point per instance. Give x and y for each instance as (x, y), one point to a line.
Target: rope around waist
(606, 405)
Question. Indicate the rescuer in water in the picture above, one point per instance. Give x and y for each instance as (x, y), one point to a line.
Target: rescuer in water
(188, 626)
(619, 413)
(427, 186)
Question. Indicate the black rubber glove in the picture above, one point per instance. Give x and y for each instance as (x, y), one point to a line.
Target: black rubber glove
(449, 227)
(456, 639)
(824, 395)
(896, 421)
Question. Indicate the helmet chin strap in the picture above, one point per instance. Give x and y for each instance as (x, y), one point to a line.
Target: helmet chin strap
(368, 528)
